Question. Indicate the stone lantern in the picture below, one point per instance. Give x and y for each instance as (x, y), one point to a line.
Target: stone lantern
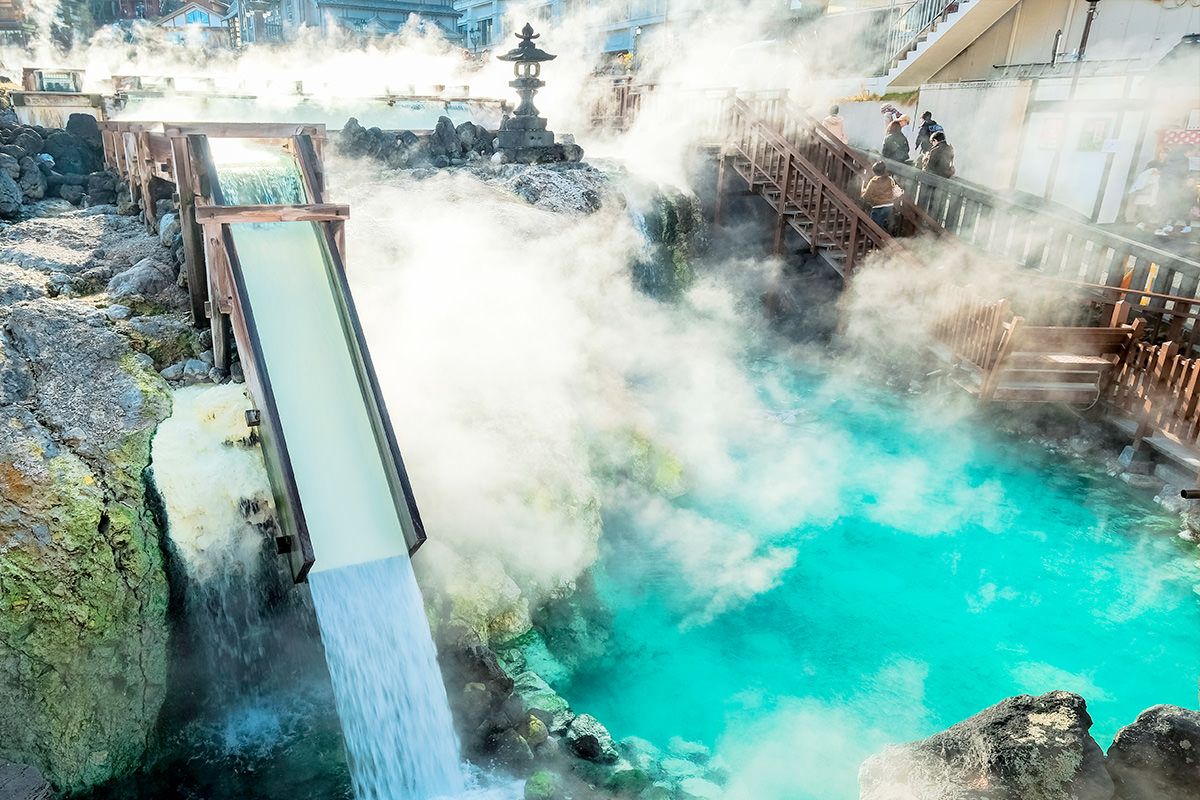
(523, 136)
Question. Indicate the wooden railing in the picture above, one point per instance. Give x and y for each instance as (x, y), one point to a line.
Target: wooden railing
(803, 195)
(972, 332)
(1037, 238)
(1160, 388)
(843, 164)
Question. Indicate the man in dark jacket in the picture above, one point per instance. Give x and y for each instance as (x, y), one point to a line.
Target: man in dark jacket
(927, 130)
(940, 158)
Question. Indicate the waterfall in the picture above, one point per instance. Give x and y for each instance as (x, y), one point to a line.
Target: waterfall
(390, 696)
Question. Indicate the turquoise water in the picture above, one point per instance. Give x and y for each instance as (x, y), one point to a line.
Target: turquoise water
(872, 571)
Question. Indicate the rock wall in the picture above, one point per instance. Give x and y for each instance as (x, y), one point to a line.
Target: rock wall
(83, 595)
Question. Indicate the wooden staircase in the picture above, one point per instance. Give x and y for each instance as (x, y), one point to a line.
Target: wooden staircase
(811, 179)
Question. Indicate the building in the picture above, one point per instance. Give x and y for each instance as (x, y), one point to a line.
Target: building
(197, 20)
(138, 9)
(369, 17)
(1065, 100)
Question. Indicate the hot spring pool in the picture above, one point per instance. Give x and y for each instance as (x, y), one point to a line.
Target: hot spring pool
(923, 568)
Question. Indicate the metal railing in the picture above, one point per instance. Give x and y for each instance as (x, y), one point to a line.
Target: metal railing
(914, 23)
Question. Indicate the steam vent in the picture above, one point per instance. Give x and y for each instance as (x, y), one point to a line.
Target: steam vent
(523, 137)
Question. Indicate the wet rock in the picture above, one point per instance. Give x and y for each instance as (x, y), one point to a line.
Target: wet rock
(23, 782)
(640, 753)
(543, 785)
(145, 278)
(693, 751)
(10, 197)
(537, 695)
(32, 181)
(590, 740)
(627, 782)
(699, 789)
(1022, 747)
(511, 749)
(1158, 756)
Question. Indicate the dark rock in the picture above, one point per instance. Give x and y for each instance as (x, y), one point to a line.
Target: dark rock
(10, 165)
(511, 749)
(14, 151)
(1021, 748)
(160, 190)
(10, 197)
(444, 141)
(1158, 756)
(59, 179)
(29, 139)
(627, 782)
(16, 381)
(70, 154)
(71, 193)
(441, 162)
(101, 182)
(84, 128)
(23, 782)
(590, 740)
(32, 181)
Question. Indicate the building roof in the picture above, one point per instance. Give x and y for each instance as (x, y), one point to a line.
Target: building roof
(212, 6)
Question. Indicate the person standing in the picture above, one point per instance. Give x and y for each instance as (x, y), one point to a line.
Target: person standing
(940, 158)
(880, 194)
(926, 131)
(895, 146)
(835, 124)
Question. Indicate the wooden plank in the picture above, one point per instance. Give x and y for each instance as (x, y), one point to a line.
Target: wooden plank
(312, 212)
(243, 130)
(193, 237)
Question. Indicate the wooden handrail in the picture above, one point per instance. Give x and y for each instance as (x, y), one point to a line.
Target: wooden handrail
(311, 212)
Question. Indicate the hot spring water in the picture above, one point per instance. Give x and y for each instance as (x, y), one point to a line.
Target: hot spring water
(874, 573)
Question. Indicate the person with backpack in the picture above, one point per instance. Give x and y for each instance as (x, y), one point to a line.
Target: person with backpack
(881, 193)
(940, 158)
(926, 132)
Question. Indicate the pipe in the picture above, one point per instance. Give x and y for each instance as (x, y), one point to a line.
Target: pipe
(1087, 27)
(1190, 494)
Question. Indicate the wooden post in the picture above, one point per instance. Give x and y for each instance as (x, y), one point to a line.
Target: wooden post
(719, 211)
(784, 189)
(193, 236)
(145, 170)
(218, 261)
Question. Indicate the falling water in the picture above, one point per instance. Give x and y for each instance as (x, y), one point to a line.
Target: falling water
(390, 696)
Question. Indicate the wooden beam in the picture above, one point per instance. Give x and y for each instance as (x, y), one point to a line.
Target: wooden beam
(314, 212)
(244, 130)
(193, 237)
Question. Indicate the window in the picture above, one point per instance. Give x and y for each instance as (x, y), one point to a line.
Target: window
(485, 32)
(543, 13)
(197, 16)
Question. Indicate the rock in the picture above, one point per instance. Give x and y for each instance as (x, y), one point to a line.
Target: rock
(536, 731)
(147, 277)
(693, 751)
(29, 139)
(1158, 756)
(60, 283)
(511, 749)
(117, 311)
(165, 339)
(84, 128)
(235, 372)
(627, 782)
(1022, 748)
(441, 161)
(679, 768)
(194, 370)
(543, 785)
(168, 227)
(699, 789)
(23, 782)
(83, 626)
(16, 379)
(639, 753)
(444, 141)
(537, 695)
(10, 165)
(590, 740)
(10, 197)
(173, 372)
(70, 154)
(71, 193)
(102, 188)
(32, 181)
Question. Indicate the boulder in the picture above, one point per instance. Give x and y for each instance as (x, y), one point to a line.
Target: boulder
(29, 139)
(72, 193)
(32, 180)
(83, 625)
(543, 785)
(10, 197)
(10, 165)
(145, 278)
(13, 151)
(23, 782)
(444, 141)
(537, 695)
(165, 339)
(168, 227)
(84, 128)
(1022, 748)
(70, 154)
(590, 740)
(1158, 756)
(102, 188)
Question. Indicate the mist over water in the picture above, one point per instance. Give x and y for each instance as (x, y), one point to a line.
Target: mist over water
(390, 697)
